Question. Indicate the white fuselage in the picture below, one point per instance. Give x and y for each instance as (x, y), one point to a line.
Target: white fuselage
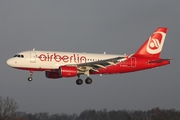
(43, 60)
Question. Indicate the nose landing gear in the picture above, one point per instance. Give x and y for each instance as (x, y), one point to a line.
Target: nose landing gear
(30, 78)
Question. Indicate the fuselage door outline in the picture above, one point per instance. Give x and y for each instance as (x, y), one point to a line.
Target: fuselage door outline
(32, 57)
(133, 62)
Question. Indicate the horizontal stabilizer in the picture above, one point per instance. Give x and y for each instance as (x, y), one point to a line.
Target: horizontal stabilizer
(158, 61)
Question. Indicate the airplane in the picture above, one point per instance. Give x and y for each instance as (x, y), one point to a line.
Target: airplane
(70, 64)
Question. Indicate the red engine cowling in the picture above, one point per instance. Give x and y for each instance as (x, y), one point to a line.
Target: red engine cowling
(67, 71)
(53, 75)
(63, 71)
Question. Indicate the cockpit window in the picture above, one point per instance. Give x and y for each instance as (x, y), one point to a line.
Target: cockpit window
(19, 56)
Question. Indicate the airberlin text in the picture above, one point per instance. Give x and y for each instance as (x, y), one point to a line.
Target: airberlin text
(62, 58)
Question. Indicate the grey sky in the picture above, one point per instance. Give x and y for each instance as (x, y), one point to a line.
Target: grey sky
(116, 26)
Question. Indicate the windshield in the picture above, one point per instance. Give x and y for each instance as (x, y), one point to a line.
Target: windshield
(19, 56)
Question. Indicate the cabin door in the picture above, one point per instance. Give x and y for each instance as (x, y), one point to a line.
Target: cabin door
(32, 57)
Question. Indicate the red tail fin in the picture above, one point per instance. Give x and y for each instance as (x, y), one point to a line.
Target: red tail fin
(153, 46)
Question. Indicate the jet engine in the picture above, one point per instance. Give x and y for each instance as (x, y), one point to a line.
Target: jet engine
(63, 71)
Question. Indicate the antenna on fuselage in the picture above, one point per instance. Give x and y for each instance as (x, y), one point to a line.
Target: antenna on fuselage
(33, 49)
(104, 52)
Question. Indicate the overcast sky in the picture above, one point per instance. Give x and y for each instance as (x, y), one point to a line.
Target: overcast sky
(95, 26)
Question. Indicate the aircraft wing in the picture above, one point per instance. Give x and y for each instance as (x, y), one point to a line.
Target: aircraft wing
(98, 64)
(105, 62)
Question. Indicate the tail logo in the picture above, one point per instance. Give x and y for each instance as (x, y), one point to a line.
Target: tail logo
(155, 43)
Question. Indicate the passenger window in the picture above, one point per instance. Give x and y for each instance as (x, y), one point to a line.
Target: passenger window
(22, 56)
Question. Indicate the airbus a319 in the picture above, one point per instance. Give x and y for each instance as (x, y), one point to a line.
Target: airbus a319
(70, 64)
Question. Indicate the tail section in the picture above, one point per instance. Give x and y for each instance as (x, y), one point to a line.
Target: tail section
(153, 46)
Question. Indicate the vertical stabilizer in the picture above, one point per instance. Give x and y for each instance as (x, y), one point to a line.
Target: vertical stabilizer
(153, 46)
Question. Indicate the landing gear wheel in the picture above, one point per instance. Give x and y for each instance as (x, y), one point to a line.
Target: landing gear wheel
(30, 79)
(88, 80)
(79, 81)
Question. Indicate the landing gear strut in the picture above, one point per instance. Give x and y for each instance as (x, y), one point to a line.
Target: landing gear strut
(30, 78)
(88, 79)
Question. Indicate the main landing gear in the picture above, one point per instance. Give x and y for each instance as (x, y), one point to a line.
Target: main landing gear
(80, 82)
(30, 78)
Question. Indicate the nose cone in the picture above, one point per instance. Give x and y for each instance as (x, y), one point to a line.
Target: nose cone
(9, 62)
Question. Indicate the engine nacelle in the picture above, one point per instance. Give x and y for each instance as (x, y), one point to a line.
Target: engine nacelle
(63, 71)
(53, 75)
(67, 71)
